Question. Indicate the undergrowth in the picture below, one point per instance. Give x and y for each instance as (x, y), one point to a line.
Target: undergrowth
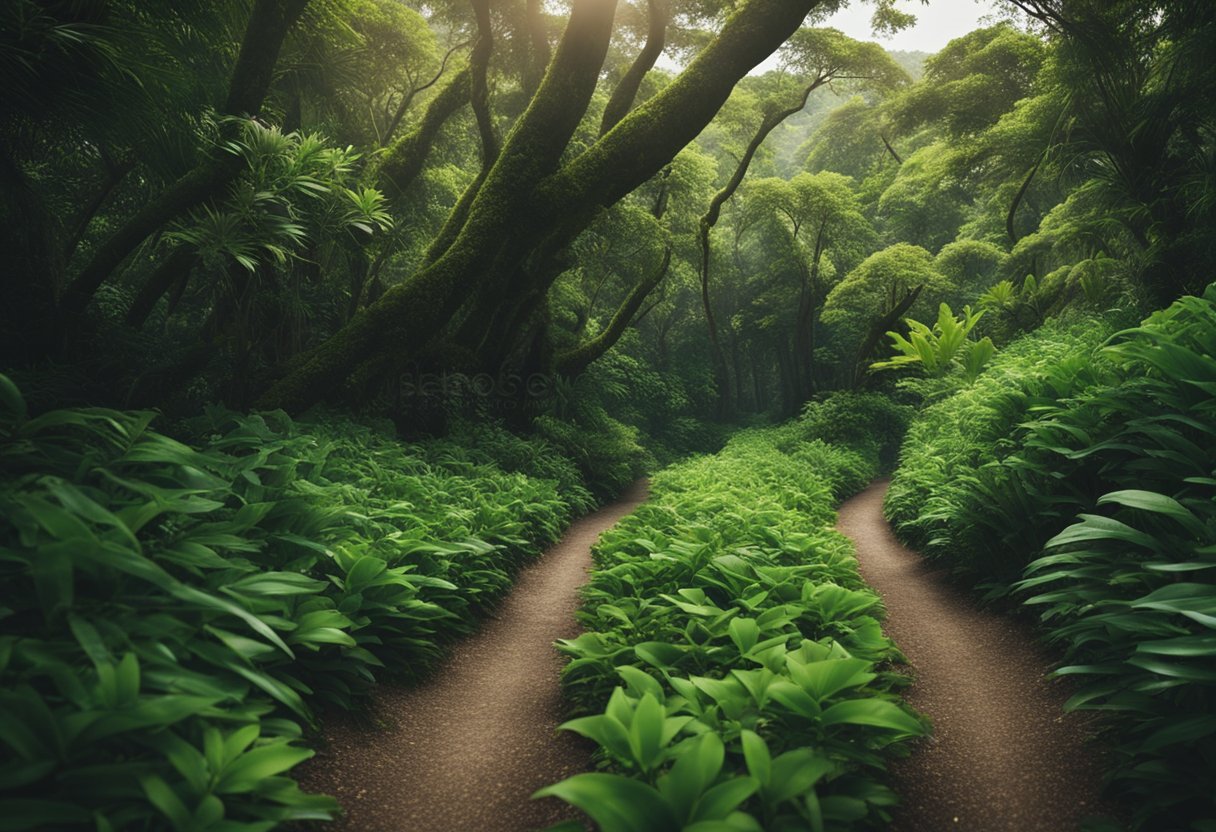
(174, 615)
(1100, 494)
(732, 671)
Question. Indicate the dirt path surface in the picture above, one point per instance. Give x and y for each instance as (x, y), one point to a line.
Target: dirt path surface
(1002, 756)
(465, 751)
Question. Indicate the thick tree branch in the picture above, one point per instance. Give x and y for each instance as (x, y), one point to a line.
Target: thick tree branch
(654, 132)
(880, 327)
(479, 89)
(408, 98)
(626, 90)
(173, 268)
(410, 314)
(113, 175)
(404, 160)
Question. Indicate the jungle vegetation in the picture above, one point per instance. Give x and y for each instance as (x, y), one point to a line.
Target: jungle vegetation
(319, 318)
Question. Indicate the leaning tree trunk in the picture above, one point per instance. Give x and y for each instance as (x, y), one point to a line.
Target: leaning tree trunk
(529, 207)
(576, 360)
(877, 330)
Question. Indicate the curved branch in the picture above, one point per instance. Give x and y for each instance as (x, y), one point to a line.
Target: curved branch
(880, 327)
(411, 313)
(264, 34)
(1019, 196)
(574, 361)
(626, 90)
(404, 160)
(408, 98)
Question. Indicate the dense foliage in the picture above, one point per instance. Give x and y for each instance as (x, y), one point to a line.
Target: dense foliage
(554, 246)
(1092, 476)
(737, 650)
(174, 615)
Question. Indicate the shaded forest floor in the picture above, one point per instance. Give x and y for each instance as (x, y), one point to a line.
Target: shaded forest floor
(1002, 755)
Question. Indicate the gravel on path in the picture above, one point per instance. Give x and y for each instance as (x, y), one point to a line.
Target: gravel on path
(464, 751)
(1003, 756)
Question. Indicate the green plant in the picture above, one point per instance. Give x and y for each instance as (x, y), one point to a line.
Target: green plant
(951, 496)
(730, 610)
(941, 348)
(1095, 485)
(173, 613)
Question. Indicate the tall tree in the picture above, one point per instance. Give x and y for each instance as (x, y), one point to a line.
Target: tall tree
(816, 57)
(532, 202)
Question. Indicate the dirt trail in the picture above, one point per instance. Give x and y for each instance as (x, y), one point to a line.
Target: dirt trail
(465, 751)
(1003, 756)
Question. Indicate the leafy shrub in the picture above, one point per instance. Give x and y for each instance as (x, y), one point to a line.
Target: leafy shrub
(869, 423)
(748, 648)
(946, 497)
(1108, 489)
(1128, 587)
(173, 615)
(606, 451)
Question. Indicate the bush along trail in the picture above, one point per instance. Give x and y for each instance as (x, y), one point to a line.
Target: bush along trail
(175, 615)
(734, 672)
(1098, 511)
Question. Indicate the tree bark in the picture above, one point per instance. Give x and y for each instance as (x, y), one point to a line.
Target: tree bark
(479, 89)
(179, 262)
(493, 237)
(113, 175)
(527, 205)
(891, 150)
(403, 162)
(626, 90)
(878, 329)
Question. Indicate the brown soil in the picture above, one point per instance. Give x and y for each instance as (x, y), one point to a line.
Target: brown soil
(1003, 756)
(465, 751)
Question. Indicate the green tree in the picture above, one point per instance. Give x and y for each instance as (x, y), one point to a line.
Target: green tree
(897, 281)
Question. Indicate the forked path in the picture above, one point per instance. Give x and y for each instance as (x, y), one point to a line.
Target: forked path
(1002, 756)
(465, 751)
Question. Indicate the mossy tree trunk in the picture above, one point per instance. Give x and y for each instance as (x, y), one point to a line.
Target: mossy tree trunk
(530, 206)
